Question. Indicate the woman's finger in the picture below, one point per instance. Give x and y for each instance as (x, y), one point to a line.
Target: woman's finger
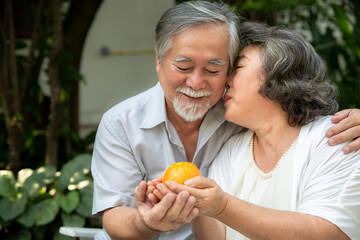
(154, 200)
(200, 182)
(158, 194)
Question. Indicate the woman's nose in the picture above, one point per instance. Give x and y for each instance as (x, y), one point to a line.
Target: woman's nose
(228, 81)
(227, 86)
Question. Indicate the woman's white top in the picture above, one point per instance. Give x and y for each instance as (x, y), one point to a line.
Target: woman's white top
(265, 189)
(311, 178)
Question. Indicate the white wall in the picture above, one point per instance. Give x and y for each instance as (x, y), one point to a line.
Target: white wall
(119, 25)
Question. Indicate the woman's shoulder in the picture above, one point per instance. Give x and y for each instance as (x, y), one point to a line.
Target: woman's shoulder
(231, 152)
(313, 144)
(320, 122)
(315, 132)
(239, 139)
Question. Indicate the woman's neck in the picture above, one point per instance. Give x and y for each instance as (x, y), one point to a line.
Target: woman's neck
(271, 141)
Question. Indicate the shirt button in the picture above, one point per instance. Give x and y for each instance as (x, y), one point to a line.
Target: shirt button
(180, 147)
(168, 232)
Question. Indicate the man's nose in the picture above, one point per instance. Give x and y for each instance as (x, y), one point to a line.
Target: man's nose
(196, 80)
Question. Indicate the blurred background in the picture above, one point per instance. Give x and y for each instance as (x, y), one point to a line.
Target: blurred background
(63, 63)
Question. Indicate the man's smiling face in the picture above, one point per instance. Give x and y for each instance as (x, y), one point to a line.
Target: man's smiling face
(193, 71)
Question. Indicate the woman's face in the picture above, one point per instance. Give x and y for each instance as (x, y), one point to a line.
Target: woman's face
(243, 102)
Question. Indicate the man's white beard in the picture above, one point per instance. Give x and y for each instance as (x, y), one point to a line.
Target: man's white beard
(190, 111)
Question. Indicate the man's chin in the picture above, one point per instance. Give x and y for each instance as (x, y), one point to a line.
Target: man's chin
(191, 111)
(191, 115)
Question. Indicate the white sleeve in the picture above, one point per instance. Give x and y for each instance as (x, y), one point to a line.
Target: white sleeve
(114, 169)
(330, 187)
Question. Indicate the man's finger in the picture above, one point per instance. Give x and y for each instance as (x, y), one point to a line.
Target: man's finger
(347, 135)
(193, 214)
(345, 124)
(346, 120)
(352, 146)
(341, 115)
(186, 214)
(159, 210)
(177, 207)
(140, 192)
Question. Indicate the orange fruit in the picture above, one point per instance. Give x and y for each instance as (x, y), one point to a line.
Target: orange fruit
(180, 172)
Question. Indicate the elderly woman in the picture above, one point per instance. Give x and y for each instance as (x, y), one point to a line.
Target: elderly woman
(280, 179)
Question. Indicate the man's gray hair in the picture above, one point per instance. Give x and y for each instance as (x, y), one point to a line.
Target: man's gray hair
(194, 13)
(295, 75)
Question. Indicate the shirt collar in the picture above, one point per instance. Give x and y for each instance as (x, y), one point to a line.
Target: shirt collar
(156, 112)
(218, 111)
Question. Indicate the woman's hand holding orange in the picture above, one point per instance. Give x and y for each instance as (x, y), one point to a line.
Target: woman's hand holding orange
(211, 200)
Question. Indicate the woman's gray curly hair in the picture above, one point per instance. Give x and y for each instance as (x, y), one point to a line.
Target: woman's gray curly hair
(294, 73)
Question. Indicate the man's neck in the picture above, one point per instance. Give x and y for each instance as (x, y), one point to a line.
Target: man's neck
(188, 133)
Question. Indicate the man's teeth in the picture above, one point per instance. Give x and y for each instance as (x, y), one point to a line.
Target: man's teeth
(196, 94)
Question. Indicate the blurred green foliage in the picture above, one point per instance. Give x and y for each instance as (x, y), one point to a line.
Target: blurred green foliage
(36, 203)
(34, 116)
(332, 27)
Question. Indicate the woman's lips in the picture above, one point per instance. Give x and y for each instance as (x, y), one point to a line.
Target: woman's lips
(226, 98)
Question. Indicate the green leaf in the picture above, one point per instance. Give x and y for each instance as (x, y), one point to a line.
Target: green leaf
(24, 174)
(74, 171)
(10, 209)
(342, 20)
(72, 220)
(22, 234)
(86, 198)
(28, 218)
(7, 184)
(69, 201)
(316, 35)
(39, 178)
(49, 208)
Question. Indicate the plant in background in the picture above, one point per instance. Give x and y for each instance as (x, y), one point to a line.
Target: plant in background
(331, 26)
(37, 202)
(41, 38)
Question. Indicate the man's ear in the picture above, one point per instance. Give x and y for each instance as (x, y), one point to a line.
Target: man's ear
(158, 63)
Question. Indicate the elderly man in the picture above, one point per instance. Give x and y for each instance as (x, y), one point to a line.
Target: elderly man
(179, 119)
